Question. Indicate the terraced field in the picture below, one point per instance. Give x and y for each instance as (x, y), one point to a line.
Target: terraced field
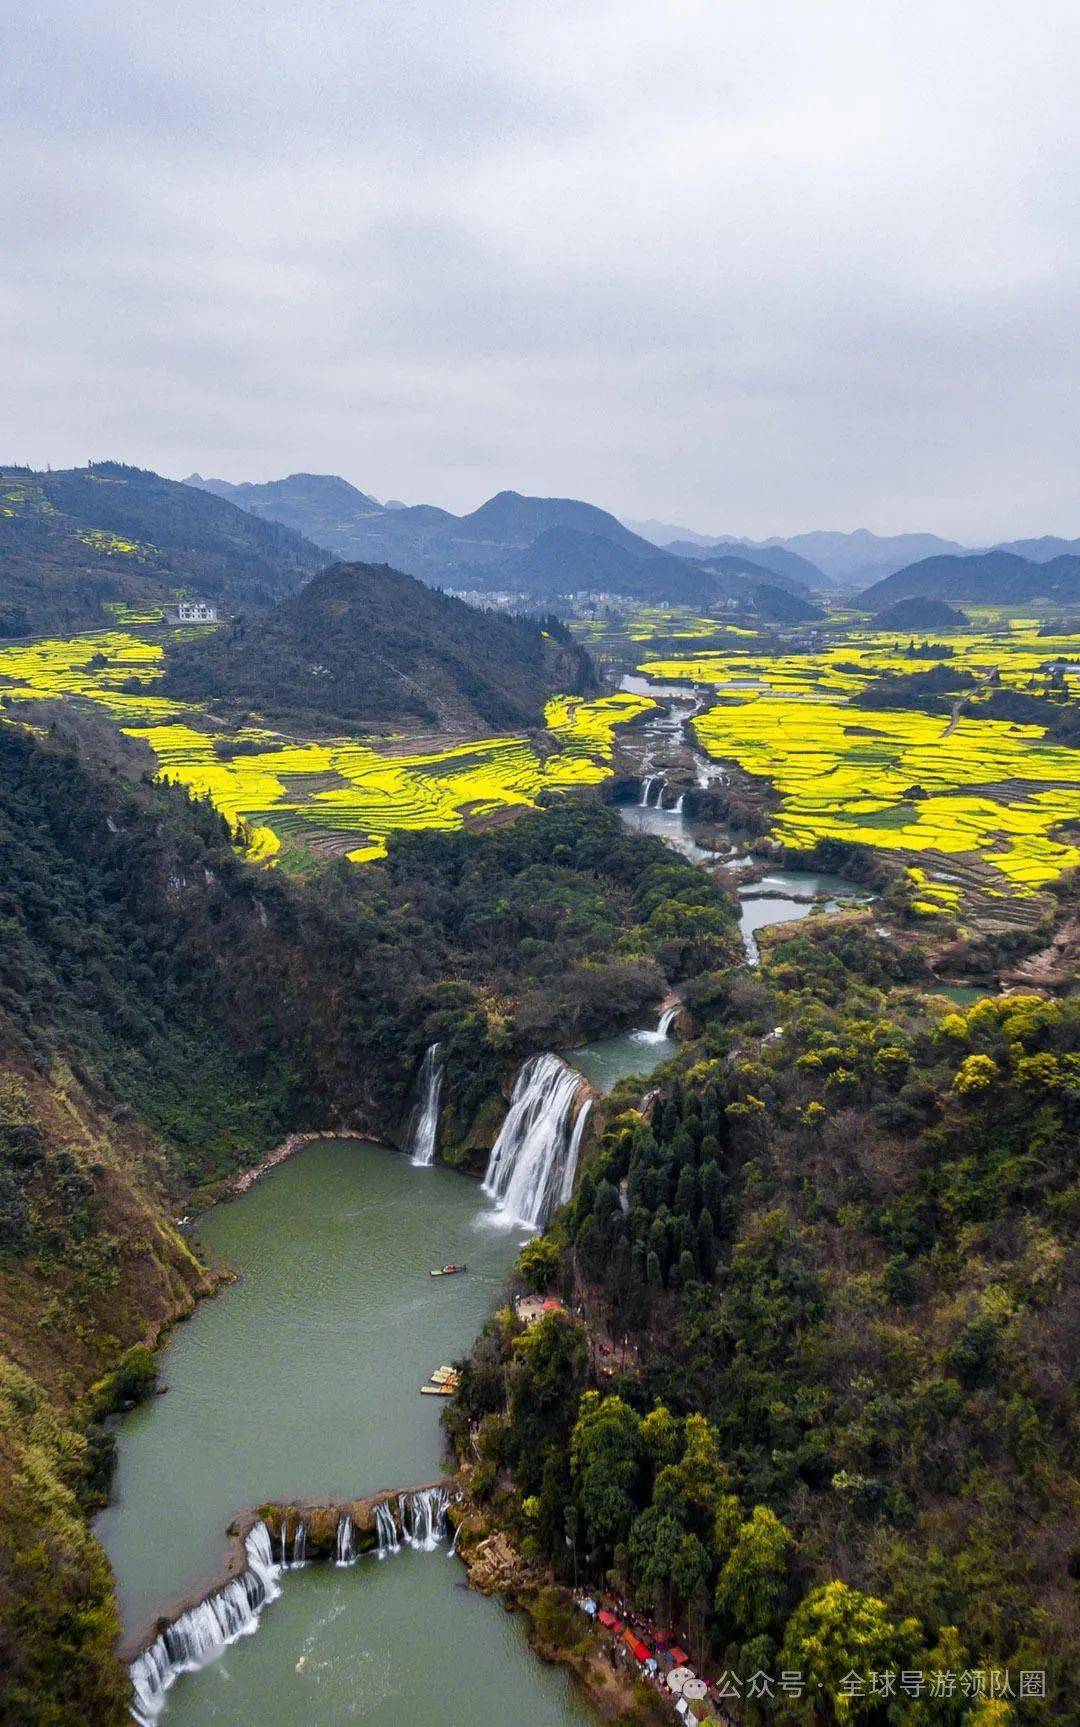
(328, 795)
(624, 638)
(899, 780)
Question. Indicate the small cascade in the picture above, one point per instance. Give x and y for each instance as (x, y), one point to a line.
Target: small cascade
(660, 783)
(663, 1026)
(646, 791)
(386, 1533)
(299, 1548)
(203, 1631)
(345, 1546)
(679, 801)
(527, 1167)
(454, 1542)
(576, 1138)
(424, 1123)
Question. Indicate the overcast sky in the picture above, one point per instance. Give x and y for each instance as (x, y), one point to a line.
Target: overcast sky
(750, 266)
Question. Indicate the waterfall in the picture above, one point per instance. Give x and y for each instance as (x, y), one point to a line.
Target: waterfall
(528, 1162)
(345, 1547)
(422, 1517)
(299, 1548)
(453, 1544)
(427, 1518)
(679, 801)
(203, 1631)
(663, 1026)
(386, 1530)
(646, 789)
(576, 1138)
(424, 1123)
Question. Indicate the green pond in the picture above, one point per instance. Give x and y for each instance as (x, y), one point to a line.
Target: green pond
(610, 1059)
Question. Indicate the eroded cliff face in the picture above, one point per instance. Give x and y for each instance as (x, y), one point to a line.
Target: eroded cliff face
(92, 1271)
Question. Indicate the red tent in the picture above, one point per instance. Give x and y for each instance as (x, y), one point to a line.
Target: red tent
(679, 1656)
(636, 1647)
(609, 1620)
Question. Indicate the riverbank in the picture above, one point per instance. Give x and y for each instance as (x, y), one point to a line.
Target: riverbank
(245, 1180)
(559, 1632)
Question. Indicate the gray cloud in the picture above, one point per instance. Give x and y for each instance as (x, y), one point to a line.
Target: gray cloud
(752, 266)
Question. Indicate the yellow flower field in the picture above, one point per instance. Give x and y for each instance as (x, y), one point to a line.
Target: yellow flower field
(279, 787)
(994, 789)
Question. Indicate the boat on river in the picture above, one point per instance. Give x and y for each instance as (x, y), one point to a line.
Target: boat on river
(448, 1271)
(443, 1383)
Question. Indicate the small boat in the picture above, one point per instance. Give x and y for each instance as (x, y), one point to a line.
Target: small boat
(448, 1271)
(437, 1390)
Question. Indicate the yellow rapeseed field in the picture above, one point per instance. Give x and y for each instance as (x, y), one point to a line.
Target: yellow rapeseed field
(900, 780)
(276, 787)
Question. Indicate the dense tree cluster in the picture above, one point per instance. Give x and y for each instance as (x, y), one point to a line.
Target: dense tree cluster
(840, 1243)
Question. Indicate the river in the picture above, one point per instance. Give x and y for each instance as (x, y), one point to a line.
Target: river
(781, 896)
(302, 1379)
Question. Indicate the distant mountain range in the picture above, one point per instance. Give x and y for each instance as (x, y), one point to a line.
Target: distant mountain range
(543, 548)
(989, 578)
(80, 539)
(421, 538)
(780, 560)
(824, 560)
(844, 560)
(366, 648)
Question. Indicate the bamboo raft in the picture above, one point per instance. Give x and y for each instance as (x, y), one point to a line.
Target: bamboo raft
(444, 1382)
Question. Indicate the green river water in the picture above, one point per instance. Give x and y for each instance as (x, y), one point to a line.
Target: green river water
(301, 1380)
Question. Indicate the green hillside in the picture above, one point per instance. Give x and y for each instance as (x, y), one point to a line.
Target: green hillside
(367, 647)
(75, 543)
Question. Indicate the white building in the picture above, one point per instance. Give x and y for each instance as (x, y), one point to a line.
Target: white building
(196, 612)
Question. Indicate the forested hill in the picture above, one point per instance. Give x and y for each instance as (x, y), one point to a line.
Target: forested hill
(366, 647)
(839, 1247)
(76, 541)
